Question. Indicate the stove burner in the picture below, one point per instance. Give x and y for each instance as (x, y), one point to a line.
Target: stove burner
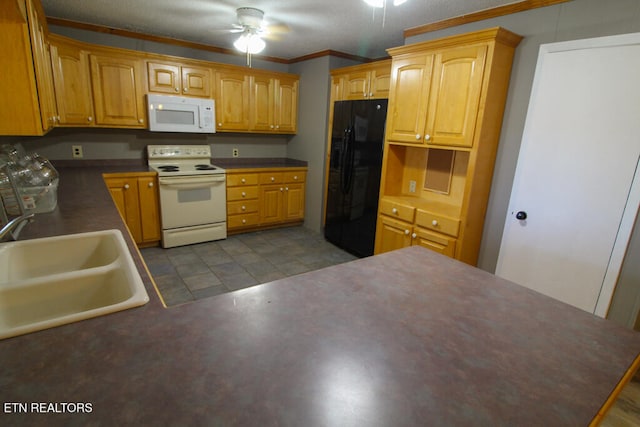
(205, 167)
(169, 168)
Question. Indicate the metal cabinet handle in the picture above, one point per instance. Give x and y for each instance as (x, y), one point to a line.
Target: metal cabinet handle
(434, 223)
(150, 185)
(394, 210)
(414, 235)
(427, 137)
(406, 232)
(418, 136)
(243, 180)
(126, 186)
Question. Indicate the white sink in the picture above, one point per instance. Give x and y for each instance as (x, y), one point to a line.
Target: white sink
(63, 279)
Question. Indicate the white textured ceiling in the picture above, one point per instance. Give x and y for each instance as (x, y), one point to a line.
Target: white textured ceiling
(348, 26)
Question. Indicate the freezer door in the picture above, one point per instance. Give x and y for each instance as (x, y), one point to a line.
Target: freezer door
(354, 174)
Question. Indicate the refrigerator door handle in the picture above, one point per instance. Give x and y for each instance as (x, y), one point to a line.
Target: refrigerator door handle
(346, 172)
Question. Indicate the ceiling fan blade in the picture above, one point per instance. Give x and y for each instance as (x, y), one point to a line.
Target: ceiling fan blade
(277, 29)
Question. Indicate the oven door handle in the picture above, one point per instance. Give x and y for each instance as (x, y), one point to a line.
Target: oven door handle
(191, 183)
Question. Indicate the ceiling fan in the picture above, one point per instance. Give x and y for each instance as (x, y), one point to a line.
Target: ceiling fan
(253, 30)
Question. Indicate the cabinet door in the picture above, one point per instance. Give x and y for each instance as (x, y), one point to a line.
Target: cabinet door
(149, 209)
(271, 203)
(391, 234)
(356, 85)
(232, 101)
(42, 64)
(455, 96)
(196, 81)
(164, 78)
(337, 88)
(124, 192)
(73, 84)
(286, 105)
(380, 81)
(117, 90)
(262, 103)
(293, 201)
(408, 98)
(434, 241)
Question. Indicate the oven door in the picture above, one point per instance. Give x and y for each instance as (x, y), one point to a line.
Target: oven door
(192, 200)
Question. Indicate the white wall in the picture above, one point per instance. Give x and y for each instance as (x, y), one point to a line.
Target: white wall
(573, 20)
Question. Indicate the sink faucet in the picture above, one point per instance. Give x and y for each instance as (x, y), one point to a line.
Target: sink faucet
(14, 226)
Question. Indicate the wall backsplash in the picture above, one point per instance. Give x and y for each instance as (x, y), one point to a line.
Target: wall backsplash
(131, 144)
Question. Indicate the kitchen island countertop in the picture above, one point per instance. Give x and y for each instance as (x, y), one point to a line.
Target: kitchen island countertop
(404, 338)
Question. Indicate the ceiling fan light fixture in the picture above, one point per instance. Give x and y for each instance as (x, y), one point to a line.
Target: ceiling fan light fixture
(249, 42)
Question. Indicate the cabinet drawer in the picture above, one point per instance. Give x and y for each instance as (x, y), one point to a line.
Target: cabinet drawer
(242, 193)
(297, 176)
(437, 222)
(397, 210)
(235, 180)
(242, 206)
(271, 177)
(239, 221)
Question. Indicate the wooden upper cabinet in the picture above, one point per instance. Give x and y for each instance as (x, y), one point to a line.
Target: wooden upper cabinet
(436, 97)
(27, 93)
(177, 79)
(73, 83)
(42, 63)
(367, 81)
(257, 102)
(455, 94)
(232, 101)
(117, 90)
(406, 117)
(262, 103)
(286, 105)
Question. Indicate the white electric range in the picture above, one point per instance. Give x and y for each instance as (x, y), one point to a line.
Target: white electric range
(193, 201)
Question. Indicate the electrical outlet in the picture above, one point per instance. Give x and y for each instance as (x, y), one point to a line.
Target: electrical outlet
(236, 153)
(412, 186)
(76, 151)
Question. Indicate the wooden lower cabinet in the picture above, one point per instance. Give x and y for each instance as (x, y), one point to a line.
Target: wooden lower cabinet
(136, 197)
(401, 225)
(242, 200)
(264, 198)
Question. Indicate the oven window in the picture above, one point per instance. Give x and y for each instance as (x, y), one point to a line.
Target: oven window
(175, 117)
(195, 195)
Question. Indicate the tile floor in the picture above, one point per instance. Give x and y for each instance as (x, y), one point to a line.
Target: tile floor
(192, 272)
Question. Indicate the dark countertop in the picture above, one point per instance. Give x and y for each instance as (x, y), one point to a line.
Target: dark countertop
(405, 338)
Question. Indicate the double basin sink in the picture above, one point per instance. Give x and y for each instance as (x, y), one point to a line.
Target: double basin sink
(57, 280)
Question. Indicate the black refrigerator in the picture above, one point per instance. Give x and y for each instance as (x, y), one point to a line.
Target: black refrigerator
(355, 165)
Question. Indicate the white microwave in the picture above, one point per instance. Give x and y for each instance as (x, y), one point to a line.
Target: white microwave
(181, 114)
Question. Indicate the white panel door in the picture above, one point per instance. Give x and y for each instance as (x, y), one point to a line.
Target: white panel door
(575, 174)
